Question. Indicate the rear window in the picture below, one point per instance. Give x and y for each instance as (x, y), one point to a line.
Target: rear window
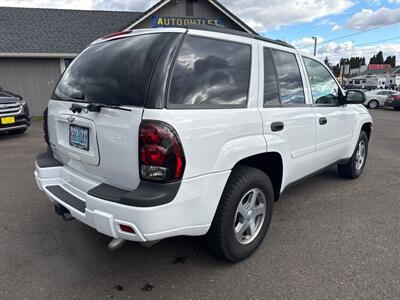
(210, 73)
(115, 72)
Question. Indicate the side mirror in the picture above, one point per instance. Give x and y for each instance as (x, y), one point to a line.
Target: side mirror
(354, 97)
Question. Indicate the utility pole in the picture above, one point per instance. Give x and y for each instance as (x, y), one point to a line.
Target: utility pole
(315, 45)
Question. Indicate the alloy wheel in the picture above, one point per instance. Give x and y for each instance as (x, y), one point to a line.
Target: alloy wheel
(360, 154)
(250, 216)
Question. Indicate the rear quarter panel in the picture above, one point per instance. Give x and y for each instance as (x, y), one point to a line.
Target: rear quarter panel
(214, 140)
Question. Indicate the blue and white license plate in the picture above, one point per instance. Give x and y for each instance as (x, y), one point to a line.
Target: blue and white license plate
(79, 137)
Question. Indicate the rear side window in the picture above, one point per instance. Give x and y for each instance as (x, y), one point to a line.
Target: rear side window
(210, 73)
(271, 91)
(114, 72)
(289, 77)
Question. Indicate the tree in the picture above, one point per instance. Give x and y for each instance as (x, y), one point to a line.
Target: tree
(388, 60)
(377, 59)
(391, 60)
(372, 60)
(336, 70)
(326, 61)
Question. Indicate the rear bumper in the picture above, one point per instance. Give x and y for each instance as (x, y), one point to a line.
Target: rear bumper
(190, 212)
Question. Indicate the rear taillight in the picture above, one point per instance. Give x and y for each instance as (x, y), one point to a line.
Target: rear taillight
(397, 97)
(161, 156)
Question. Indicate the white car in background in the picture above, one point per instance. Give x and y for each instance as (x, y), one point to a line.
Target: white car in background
(376, 98)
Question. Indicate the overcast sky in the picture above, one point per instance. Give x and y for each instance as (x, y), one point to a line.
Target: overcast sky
(295, 21)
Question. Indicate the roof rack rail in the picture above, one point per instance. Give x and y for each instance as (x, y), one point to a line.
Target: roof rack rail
(222, 29)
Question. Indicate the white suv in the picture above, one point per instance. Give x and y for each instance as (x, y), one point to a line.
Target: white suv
(186, 131)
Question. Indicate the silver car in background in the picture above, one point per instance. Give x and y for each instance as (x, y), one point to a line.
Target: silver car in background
(376, 98)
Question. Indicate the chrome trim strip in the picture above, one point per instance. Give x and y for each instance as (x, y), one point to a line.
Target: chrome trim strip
(13, 128)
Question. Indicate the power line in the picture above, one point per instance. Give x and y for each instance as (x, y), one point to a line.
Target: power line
(343, 51)
(353, 34)
(370, 43)
(342, 17)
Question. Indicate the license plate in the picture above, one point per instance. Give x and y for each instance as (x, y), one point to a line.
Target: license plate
(79, 137)
(8, 120)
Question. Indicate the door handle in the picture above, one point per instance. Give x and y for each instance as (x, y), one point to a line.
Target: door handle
(277, 126)
(323, 121)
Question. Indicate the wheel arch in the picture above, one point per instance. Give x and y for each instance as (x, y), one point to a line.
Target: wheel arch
(270, 163)
(364, 123)
(367, 127)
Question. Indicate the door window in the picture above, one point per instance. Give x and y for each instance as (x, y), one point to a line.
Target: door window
(324, 88)
(289, 77)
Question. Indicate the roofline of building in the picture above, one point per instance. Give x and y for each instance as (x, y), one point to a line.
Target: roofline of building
(216, 4)
(147, 13)
(74, 10)
(38, 55)
(232, 16)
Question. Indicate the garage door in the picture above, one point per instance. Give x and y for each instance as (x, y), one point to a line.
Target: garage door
(32, 78)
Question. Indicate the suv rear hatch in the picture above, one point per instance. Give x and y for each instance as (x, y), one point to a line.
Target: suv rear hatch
(96, 109)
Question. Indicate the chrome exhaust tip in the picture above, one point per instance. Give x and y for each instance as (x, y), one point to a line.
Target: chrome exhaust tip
(115, 244)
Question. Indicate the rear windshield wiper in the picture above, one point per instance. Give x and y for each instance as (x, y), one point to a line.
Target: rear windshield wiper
(95, 107)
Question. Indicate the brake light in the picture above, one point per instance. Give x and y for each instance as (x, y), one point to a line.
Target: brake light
(115, 34)
(161, 156)
(397, 97)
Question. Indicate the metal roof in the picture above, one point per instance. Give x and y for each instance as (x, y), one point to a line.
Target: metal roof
(38, 30)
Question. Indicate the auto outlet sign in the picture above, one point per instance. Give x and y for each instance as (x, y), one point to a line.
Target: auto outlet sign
(157, 21)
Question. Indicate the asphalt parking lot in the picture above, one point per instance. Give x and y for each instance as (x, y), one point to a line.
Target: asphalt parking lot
(329, 238)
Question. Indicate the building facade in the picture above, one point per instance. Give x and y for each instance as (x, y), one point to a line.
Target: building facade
(38, 44)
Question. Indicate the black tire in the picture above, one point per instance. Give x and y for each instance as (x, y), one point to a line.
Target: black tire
(350, 169)
(397, 108)
(373, 104)
(221, 239)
